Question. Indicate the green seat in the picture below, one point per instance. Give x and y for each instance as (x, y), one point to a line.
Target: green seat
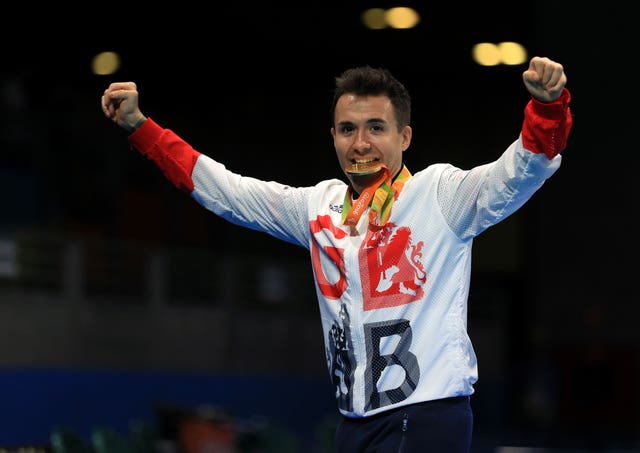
(65, 440)
(143, 437)
(276, 438)
(106, 440)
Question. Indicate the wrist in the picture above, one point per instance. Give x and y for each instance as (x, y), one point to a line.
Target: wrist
(132, 128)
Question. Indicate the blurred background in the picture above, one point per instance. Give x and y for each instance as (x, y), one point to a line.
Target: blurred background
(128, 313)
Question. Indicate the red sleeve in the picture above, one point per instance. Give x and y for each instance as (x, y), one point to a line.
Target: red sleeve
(546, 126)
(175, 157)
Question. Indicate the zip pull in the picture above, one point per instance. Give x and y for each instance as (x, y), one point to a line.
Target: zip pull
(405, 428)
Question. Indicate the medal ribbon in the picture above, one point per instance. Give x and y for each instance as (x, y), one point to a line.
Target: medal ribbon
(380, 195)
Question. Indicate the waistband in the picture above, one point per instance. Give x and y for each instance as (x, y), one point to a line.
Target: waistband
(429, 405)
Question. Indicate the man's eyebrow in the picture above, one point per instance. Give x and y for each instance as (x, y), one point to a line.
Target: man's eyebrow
(368, 121)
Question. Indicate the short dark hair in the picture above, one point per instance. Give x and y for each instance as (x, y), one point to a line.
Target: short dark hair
(365, 81)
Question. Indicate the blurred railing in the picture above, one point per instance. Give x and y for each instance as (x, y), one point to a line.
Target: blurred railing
(97, 269)
(94, 302)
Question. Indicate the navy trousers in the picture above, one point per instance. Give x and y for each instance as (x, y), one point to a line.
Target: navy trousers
(440, 426)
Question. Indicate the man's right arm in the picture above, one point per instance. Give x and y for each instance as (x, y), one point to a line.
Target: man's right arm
(175, 157)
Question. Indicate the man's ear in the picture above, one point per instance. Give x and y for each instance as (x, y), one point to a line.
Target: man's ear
(407, 133)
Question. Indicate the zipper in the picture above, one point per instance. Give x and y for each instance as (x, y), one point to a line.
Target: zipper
(405, 427)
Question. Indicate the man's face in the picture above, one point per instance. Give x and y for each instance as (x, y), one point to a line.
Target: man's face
(366, 131)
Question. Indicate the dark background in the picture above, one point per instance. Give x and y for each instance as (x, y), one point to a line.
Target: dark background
(554, 306)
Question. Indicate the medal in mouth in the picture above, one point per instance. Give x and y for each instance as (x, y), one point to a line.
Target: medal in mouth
(364, 168)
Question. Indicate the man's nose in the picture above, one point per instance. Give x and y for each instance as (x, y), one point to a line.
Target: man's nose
(361, 142)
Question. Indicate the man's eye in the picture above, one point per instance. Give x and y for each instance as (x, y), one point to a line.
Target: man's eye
(346, 129)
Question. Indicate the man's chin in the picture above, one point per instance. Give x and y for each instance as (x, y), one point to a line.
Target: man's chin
(359, 181)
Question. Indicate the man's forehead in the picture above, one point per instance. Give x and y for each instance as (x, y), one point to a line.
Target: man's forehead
(364, 108)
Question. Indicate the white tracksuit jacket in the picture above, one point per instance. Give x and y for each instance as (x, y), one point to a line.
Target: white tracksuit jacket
(393, 303)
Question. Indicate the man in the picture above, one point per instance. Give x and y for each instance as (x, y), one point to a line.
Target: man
(390, 250)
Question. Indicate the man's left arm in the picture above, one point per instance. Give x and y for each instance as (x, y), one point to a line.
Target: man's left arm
(546, 125)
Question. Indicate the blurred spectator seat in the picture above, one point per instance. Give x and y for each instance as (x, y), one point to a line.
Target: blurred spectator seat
(65, 440)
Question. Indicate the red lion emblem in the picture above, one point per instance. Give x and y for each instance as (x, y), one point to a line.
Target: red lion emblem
(391, 270)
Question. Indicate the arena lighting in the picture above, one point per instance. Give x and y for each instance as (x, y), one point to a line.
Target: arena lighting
(507, 53)
(105, 63)
(374, 19)
(402, 17)
(512, 53)
(399, 17)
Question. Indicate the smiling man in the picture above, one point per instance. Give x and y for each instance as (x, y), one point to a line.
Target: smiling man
(390, 250)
